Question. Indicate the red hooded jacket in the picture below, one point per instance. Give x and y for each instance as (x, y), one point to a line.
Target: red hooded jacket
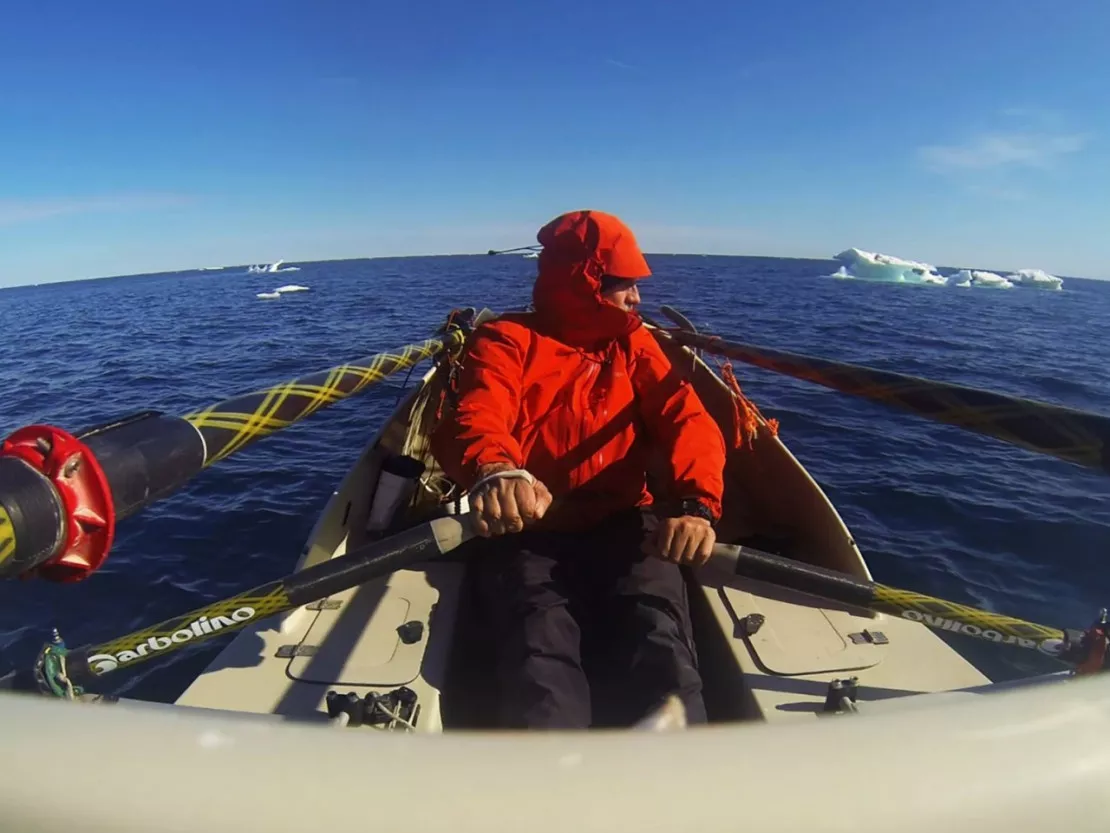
(578, 392)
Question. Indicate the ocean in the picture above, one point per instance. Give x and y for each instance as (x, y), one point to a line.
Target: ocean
(933, 508)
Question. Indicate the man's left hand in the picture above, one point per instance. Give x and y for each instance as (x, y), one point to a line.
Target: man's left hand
(683, 540)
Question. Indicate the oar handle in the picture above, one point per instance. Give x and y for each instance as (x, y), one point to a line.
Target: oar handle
(806, 578)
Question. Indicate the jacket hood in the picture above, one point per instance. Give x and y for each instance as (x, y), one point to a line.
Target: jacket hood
(578, 249)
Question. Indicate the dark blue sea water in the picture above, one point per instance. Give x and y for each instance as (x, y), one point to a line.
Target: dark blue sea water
(933, 508)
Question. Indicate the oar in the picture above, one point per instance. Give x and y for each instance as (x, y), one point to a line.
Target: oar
(58, 666)
(63, 672)
(61, 495)
(1069, 434)
(511, 251)
(1072, 646)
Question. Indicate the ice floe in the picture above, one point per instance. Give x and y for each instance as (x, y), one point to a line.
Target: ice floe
(874, 266)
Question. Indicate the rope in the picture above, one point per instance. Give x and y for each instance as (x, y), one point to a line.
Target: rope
(509, 474)
(747, 415)
(392, 713)
(64, 678)
(404, 387)
(453, 362)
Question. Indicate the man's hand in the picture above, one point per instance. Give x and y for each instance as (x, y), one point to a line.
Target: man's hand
(507, 504)
(684, 540)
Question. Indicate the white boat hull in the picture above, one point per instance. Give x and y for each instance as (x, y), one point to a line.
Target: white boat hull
(1022, 761)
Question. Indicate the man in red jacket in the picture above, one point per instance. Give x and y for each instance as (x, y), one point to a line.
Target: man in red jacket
(559, 411)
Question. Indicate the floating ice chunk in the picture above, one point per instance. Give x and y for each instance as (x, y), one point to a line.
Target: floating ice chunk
(872, 266)
(1036, 278)
(976, 277)
(276, 266)
(292, 287)
(990, 279)
(268, 296)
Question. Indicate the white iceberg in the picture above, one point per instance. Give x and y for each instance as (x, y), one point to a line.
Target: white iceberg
(273, 267)
(872, 266)
(976, 277)
(292, 287)
(1036, 278)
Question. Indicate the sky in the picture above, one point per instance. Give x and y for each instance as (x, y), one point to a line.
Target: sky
(157, 136)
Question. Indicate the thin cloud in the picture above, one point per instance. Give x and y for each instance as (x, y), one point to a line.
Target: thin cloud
(613, 62)
(14, 211)
(992, 151)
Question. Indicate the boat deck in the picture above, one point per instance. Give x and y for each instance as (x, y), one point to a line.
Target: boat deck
(416, 629)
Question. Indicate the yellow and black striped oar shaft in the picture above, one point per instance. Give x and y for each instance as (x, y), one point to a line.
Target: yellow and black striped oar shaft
(233, 424)
(1069, 434)
(61, 494)
(936, 613)
(422, 543)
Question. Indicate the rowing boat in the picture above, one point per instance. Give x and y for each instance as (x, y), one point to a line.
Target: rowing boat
(767, 653)
(375, 634)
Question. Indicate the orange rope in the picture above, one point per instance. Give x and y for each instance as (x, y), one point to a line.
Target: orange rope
(748, 417)
(453, 362)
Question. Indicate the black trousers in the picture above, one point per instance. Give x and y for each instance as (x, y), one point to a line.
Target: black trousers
(587, 631)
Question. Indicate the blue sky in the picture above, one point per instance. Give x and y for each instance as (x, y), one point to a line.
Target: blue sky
(152, 136)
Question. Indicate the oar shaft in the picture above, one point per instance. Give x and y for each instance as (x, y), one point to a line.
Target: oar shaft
(145, 458)
(957, 618)
(369, 562)
(939, 614)
(231, 425)
(531, 248)
(61, 495)
(1065, 433)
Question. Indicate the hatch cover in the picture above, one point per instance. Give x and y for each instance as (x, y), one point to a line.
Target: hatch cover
(797, 637)
(359, 643)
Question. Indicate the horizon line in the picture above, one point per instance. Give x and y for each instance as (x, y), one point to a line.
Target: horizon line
(202, 270)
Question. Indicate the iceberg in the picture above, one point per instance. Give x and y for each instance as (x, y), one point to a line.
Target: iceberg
(976, 277)
(273, 267)
(872, 266)
(1036, 278)
(281, 290)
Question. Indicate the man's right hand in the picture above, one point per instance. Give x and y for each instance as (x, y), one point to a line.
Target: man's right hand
(507, 504)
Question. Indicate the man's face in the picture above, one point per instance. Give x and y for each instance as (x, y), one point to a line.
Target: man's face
(622, 293)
